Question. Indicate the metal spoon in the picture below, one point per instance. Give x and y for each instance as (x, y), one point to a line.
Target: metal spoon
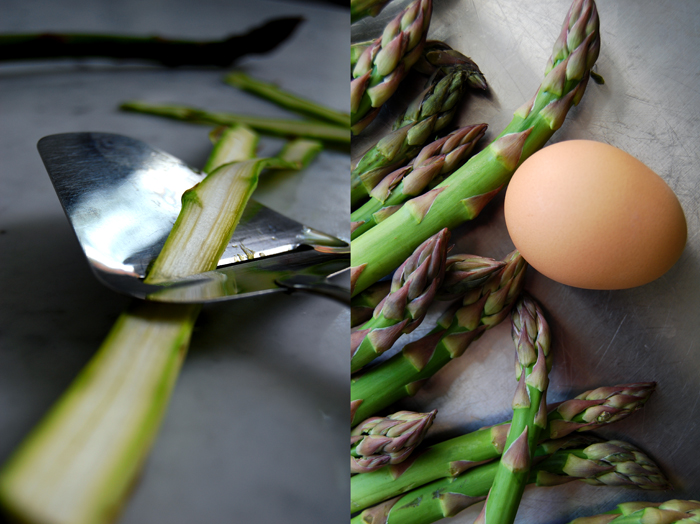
(122, 198)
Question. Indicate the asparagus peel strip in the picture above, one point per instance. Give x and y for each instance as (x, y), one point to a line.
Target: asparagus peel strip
(438, 158)
(77, 465)
(413, 288)
(404, 374)
(607, 463)
(270, 126)
(452, 457)
(533, 361)
(385, 62)
(287, 100)
(379, 441)
(462, 195)
(169, 52)
(669, 512)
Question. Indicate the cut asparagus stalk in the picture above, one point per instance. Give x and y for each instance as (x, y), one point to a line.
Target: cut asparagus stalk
(462, 196)
(379, 441)
(286, 100)
(77, 466)
(169, 52)
(413, 288)
(669, 512)
(533, 341)
(588, 411)
(386, 61)
(440, 157)
(269, 126)
(406, 372)
(611, 463)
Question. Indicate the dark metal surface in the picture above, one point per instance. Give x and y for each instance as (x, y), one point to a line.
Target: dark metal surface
(256, 430)
(649, 107)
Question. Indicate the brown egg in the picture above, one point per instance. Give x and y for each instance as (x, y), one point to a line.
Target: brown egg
(589, 215)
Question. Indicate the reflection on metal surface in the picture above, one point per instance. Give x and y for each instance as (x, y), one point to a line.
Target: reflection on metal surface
(122, 198)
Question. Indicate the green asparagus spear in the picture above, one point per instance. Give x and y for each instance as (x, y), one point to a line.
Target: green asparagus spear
(440, 157)
(379, 441)
(611, 463)
(413, 289)
(384, 64)
(286, 100)
(269, 126)
(359, 9)
(462, 196)
(432, 110)
(669, 512)
(532, 340)
(588, 411)
(403, 374)
(464, 272)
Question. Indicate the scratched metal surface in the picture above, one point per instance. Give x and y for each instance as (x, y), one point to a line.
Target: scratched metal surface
(650, 107)
(257, 427)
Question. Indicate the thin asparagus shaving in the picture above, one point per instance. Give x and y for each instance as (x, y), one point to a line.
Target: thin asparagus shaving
(566, 460)
(669, 512)
(287, 100)
(360, 9)
(440, 157)
(462, 195)
(363, 305)
(413, 289)
(454, 456)
(78, 464)
(379, 441)
(431, 111)
(406, 372)
(533, 361)
(269, 126)
(300, 152)
(384, 64)
(172, 53)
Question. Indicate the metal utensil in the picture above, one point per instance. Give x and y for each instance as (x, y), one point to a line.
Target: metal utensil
(122, 198)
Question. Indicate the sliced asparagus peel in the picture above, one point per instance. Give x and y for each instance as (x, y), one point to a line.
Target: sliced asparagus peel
(384, 64)
(270, 126)
(364, 304)
(532, 341)
(413, 289)
(454, 456)
(406, 372)
(172, 53)
(440, 157)
(617, 463)
(432, 110)
(669, 512)
(78, 465)
(287, 100)
(300, 152)
(462, 195)
(379, 441)
(359, 9)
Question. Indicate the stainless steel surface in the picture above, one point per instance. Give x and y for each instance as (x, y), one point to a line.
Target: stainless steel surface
(257, 427)
(122, 198)
(649, 107)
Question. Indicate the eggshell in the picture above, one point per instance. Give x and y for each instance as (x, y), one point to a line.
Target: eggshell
(589, 215)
